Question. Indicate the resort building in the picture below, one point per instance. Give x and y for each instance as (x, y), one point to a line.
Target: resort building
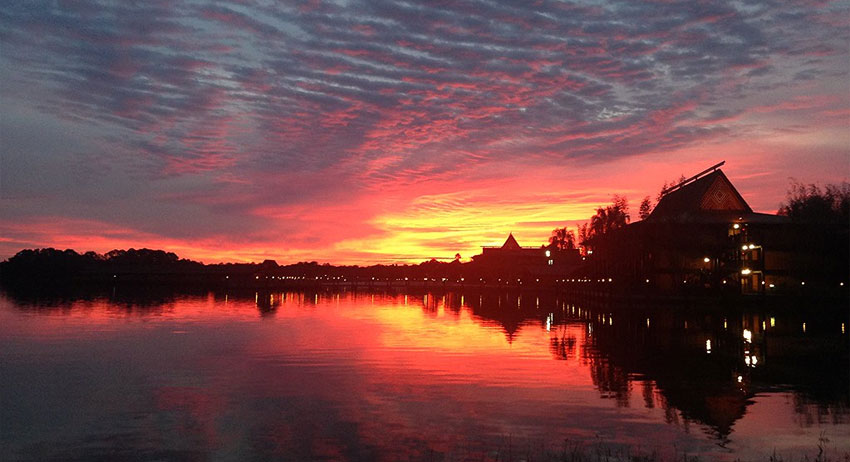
(513, 260)
(702, 234)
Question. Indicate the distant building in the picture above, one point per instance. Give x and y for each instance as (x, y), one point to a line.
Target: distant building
(513, 260)
(701, 234)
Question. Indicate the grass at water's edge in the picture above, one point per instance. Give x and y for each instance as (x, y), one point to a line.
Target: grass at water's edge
(602, 452)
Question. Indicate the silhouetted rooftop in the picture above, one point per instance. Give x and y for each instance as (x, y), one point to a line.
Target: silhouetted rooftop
(712, 194)
(511, 243)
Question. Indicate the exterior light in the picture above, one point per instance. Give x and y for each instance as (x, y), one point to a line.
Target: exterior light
(744, 247)
(548, 254)
(609, 279)
(752, 246)
(771, 285)
(706, 259)
(647, 281)
(736, 226)
(740, 379)
(746, 271)
(803, 283)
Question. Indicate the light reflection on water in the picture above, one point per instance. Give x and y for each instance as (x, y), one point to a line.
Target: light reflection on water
(369, 376)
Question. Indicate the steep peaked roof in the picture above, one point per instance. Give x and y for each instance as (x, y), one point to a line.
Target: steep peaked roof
(511, 243)
(707, 195)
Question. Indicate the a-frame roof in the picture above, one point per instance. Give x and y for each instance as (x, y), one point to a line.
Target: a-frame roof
(511, 243)
(711, 194)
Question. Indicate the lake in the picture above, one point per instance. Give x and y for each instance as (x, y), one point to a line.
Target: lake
(338, 375)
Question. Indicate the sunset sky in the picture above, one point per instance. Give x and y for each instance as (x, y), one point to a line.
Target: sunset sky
(381, 131)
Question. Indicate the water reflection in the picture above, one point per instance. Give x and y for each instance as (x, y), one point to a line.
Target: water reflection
(383, 376)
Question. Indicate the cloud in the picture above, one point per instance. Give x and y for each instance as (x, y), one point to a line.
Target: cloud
(232, 109)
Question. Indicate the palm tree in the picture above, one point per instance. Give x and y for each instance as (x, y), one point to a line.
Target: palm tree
(563, 239)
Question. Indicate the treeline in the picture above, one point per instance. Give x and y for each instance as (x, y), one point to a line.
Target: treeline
(51, 266)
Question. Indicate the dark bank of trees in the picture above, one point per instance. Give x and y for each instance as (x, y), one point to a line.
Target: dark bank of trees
(813, 205)
(820, 220)
(54, 265)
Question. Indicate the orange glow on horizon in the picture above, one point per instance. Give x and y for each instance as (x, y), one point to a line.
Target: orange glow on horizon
(410, 223)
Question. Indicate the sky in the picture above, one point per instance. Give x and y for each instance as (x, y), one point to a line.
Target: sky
(377, 131)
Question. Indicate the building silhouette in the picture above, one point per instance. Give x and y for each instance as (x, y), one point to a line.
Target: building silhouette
(511, 260)
(701, 235)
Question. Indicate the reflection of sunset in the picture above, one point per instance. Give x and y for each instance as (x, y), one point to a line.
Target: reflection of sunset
(317, 372)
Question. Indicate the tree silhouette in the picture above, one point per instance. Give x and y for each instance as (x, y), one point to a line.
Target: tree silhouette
(810, 204)
(645, 208)
(563, 239)
(607, 219)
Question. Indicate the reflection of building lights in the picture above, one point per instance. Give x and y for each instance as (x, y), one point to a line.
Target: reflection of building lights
(842, 328)
(647, 322)
(724, 323)
(746, 271)
(708, 346)
(772, 322)
(706, 259)
(804, 327)
(748, 336)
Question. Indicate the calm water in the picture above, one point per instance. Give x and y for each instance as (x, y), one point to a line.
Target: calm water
(343, 376)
